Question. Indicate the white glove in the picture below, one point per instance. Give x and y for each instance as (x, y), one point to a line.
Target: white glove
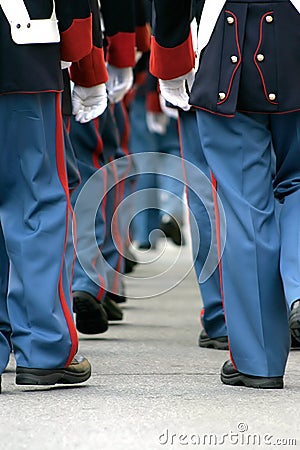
(119, 82)
(174, 91)
(88, 102)
(170, 112)
(157, 122)
(65, 64)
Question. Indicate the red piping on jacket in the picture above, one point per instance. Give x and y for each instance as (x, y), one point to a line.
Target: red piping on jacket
(240, 59)
(255, 60)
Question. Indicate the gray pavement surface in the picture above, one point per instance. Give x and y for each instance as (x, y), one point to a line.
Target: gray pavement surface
(152, 387)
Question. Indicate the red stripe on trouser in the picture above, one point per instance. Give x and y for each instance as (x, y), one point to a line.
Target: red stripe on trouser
(75, 247)
(103, 208)
(115, 228)
(95, 157)
(99, 147)
(62, 174)
(125, 136)
(218, 235)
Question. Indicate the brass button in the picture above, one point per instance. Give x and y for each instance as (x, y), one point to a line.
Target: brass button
(260, 57)
(222, 95)
(272, 97)
(234, 59)
(269, 19)
(230, 20)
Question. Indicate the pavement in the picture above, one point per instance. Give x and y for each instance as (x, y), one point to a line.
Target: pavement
(152, 387)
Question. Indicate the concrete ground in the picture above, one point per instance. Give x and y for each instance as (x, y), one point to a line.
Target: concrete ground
(152, 387)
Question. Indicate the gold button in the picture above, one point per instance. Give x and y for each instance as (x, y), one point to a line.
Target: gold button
(234, 59)
(260, 57)
(230, 20)
(269, 19)
(222, 95)
(272, 97)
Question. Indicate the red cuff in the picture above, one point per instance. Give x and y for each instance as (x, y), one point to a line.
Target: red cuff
(121, 50)
(143, 38)
(90, 70)
(152, 102)
(76, 41)
(168, 63)
(140, 78)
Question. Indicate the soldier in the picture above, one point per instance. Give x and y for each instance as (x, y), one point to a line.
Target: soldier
(34, 202)
(98, 268)
(244, 109)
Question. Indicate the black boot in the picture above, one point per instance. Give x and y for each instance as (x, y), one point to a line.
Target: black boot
(91, 317)
(231, 376)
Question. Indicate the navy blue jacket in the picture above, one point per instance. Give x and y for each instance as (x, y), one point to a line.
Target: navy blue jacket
(36, 67)
(251, 63)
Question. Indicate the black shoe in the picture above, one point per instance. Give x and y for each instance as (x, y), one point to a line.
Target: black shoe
(294, 320)
(77, 372)
(91, 317)
(231, 376)
(294, 343)
(111, 308)
(117, 298)
(218, 343)
(172, 230)
(146, 246)
(130, 261)
(129, 265)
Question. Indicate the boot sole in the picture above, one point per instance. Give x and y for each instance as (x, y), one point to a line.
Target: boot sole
(213, 343)
(240, 379)
(44, 377)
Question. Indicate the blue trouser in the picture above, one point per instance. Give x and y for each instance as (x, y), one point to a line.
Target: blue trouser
(286, 143)
(126, 211)
(5, 325)
(212, 316)
(151, 155)
(34, 209)
(99, 261)
(239, 153)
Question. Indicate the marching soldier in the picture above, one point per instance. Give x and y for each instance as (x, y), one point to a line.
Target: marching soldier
(248, 102)
(34, 202)
(98, 268)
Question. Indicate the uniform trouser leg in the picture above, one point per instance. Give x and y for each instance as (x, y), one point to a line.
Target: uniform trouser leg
(34, 207)
(5, 328)
(117, 170)
(238, 151)
(286, 141)
(143, 147)
(213, 318)
(127, 185)
(88, 201)
(171, 187)
(99, 263)
(146, 201)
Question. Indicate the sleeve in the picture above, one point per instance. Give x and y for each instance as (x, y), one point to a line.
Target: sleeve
(172, 53)
(75, 26)
(152, 95)
(91, 70)
(142, 26)
(119, 23)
